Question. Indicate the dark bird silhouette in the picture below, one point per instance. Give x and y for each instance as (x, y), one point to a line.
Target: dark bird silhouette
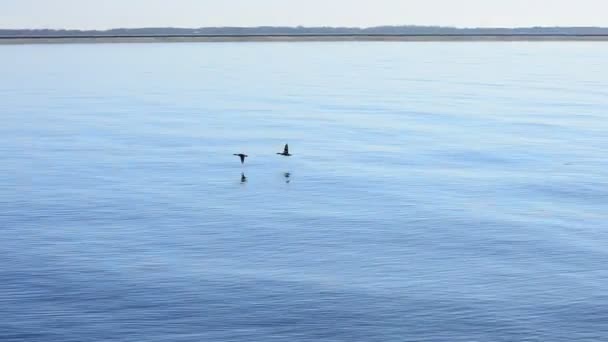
(243, 178)
(243, 156)
(285, 151)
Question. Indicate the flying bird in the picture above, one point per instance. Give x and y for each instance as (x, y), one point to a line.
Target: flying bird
(242, 156)
(285, 151)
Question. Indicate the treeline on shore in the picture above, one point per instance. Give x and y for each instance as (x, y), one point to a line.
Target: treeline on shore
(273, 30)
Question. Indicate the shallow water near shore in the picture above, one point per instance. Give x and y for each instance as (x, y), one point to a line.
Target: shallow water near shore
(437, 192)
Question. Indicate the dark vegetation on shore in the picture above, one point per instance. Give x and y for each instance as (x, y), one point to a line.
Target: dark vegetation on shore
(294, 31)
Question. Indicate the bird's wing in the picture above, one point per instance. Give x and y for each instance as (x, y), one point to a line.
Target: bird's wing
(286, 150)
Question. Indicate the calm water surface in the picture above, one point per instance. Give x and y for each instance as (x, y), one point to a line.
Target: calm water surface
(437, 192)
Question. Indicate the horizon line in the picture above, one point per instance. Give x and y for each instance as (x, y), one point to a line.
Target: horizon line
(310, 27)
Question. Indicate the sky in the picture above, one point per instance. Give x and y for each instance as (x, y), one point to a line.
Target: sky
(104, 14)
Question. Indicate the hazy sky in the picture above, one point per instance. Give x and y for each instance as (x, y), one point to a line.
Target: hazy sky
(100, 14)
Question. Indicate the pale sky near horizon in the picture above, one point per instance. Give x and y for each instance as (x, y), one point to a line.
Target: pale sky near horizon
(103, 14)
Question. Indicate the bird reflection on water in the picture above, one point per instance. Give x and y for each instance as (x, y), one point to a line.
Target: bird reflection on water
(243, 178)
(287, 176)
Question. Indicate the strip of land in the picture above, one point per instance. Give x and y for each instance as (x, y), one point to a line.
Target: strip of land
(297, 38)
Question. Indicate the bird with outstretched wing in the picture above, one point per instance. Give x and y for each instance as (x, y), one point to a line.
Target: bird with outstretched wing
(242, 156)
(285, 151)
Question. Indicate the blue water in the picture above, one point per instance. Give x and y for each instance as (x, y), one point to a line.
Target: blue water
(437, 192)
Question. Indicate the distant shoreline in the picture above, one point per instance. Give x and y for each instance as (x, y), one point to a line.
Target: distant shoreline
(299, 38)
